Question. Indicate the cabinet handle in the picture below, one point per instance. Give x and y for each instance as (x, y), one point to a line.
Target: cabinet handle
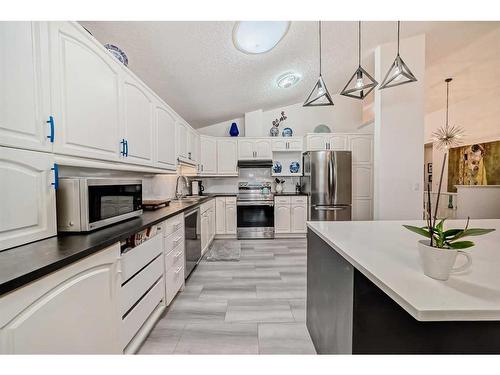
(122, 147)
(126, 147)
(51, 123)
(56, 176)
(189, 155)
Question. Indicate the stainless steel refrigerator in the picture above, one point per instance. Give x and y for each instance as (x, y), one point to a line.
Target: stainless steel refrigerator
(327, 181)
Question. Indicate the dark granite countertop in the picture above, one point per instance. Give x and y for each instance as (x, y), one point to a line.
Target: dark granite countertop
(24, 264)
(221, 194)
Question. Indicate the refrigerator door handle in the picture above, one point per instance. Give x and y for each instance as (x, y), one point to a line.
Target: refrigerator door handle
(320, 208)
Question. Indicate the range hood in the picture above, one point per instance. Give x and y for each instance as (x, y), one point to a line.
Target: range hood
(262, 163)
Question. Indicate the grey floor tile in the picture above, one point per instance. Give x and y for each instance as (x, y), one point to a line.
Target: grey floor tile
(285, 338)
(218, 338)
(227, 291)
(189, 310)
(163, 338)
(284, 290)
(259, 311)
(298, 307)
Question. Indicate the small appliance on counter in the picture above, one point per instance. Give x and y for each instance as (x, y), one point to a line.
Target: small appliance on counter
(197, 187)
(255, 210)
(88, 203)
(155, 204)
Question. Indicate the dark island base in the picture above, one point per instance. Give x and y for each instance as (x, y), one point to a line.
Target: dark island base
(347, 313)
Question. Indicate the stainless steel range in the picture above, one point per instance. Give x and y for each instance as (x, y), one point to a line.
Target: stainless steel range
(255, 207)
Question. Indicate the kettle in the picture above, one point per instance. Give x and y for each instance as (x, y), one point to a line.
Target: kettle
(197, 187)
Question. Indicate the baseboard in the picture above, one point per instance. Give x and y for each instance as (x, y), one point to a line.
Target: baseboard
(141, 335)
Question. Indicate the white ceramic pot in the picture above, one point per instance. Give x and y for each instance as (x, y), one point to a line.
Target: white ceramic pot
(438, 263)
(279, 188)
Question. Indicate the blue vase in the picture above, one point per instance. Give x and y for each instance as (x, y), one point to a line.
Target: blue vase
(234, 132)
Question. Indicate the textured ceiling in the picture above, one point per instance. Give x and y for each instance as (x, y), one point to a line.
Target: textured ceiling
(196, 69)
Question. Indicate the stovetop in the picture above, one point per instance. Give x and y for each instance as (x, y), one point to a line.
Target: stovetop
(254, 192)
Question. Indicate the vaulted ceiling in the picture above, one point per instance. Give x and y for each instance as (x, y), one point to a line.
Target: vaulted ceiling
(196, 69)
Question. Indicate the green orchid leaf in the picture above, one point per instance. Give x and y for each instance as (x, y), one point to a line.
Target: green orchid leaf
(476, 232)
(461, 244)
(439, 226)
(422, 231)
(452, 232)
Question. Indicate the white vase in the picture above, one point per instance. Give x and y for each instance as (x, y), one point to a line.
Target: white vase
(279, 188)
(438, 263)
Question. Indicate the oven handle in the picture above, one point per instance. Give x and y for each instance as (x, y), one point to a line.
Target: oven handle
(270, 204)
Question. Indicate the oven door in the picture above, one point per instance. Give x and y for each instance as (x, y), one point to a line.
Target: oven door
(255, 220)
(108, 201)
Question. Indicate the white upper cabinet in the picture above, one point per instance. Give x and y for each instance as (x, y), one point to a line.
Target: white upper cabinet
(86, 85)
(138, 122)
(287, 144)
(326, 141)
(24, 86)
(227, 152)
(337, 142)
(181, 140)
(193, 144)
(254, 148)
(165, 141)
(316, 142)
(208, 155)
(28, 204)
(362, 149)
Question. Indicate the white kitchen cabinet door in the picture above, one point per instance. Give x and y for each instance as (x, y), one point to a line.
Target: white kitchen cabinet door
(298, 217)
(28, 204)
(208, 155)
(337, 142)
(282, 218)
(220, 215)
(138, 122)
(279, 144)
(295, 144)
(205, 228)
(362, 181)
(316, 142)
(24, 85)
(182, 140)
(165, 142)
(212, 224)
(227, 156)
(362, 149)
(263, 149)
(85, 90)
(74, 310)
(362, 209)
(191, 144)
(245, 149)
(230, 218)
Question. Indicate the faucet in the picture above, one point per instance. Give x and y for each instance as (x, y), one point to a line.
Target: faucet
(177, 194)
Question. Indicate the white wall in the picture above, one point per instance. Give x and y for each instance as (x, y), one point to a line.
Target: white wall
(221, 129)
(399, 135)
(344, 116)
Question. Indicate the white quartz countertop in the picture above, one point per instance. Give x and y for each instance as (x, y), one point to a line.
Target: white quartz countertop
(386, 253)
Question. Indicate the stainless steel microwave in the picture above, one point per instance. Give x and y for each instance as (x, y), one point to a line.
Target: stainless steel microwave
(85, 204)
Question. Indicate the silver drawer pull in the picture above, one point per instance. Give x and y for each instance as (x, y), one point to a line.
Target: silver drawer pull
(179, 253)
(330, 208)
(178, 270)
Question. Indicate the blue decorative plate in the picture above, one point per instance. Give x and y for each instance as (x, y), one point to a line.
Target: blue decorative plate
(274, 131)
(287, 132)
(277, 167)
(294, 166)
(117, 53)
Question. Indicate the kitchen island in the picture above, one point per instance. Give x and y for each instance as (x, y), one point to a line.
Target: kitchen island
(366, 292)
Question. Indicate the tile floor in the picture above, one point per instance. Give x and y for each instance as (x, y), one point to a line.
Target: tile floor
(254, 306)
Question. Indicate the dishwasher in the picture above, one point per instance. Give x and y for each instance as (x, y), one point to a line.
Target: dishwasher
(192, 237)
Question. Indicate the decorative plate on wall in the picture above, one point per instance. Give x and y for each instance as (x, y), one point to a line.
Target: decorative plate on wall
(277, 167)
(322, 129)
(287, 132)
(117, 53)
(294, 166)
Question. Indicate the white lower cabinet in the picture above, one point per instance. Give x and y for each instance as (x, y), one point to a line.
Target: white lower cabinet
(174, 256)
(362, 209)
(74, 310)
(225, 216)
(290, 215)
(28, 204)
(207, 212)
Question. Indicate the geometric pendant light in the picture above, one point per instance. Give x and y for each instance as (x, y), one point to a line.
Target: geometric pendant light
(361, 83)
(398, 73)
(319, 95)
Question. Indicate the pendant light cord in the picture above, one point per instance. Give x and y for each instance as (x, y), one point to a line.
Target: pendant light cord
(319, 26)
(398, 38)
(359, 43)
(447, 99)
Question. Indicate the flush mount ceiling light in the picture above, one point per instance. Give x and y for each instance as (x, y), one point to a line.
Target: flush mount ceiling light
(447, 136)
(319, 95)
(398, 73)
(287, 80)
(254, 37)
(361, 83)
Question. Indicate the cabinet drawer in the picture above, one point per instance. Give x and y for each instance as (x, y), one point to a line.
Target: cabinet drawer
(300, 199)
(174, 257)
(136, 258)
(173, 224)
(174, 281)
(136, 317)
(140, 283)
(230, 200)
(282, 200)
(174, 240)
